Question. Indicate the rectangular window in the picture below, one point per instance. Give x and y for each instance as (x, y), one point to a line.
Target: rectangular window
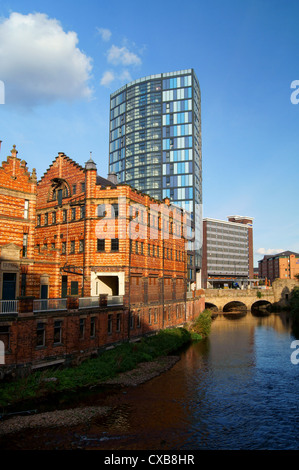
(59, 197)
(149, 250)
(138, 320)
(114, 244)
(114, 210)
(38, 221)
(150, 317)
(46, 219)
(136, 247)
(156, 316)
(53, 217)
(40, 335)
(25, 243)
(57, 332)
(100, 244)
(72, 247)
(64, 215)
(23, 284)
(73, 213)
(63, 248)
(92, 327)
(74, 188)
(82, 187)
(74, 288)
(118, 322)
(82, 328)
(26, 209)
(82, 212)
(142, 247)
(81, 246)
(132, 321)
(53, 246)
(109, 324)
(101, 210)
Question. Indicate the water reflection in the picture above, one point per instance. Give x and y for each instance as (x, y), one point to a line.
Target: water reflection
(236, 389)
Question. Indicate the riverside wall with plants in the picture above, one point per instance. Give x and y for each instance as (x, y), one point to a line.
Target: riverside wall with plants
(96, 371)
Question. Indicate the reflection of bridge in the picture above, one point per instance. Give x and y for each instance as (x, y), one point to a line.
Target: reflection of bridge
(232, 299)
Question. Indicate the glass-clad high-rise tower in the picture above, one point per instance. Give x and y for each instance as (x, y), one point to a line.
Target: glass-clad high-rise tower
(155, 138)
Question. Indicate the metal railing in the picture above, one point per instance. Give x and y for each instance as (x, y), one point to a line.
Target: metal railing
(9, 306)
(115, 300)
(91, 302)
(47, 305)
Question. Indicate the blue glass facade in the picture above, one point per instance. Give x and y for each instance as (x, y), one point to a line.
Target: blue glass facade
(155, 137)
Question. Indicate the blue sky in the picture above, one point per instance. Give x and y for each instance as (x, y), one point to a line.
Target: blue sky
(60, 61)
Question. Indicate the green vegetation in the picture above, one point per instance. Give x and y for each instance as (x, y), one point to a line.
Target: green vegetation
(259, 294)
(93, 371)
(201, 327)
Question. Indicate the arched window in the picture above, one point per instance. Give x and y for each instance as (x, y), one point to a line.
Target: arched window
(59, 190)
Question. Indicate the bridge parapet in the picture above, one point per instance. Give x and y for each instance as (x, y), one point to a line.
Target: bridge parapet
(221, 297)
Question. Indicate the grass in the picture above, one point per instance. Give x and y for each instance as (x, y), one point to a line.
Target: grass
(93, 371)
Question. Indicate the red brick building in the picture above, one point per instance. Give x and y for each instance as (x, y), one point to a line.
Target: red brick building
(283, 265)
(88, 236)
(17, 218)
(92, 236)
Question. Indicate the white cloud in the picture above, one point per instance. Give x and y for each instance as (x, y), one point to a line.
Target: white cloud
(110, 76)
(125, 76)
(40, 62)
(269, 251)
(122, 56)
(105, 34)
(107, 78)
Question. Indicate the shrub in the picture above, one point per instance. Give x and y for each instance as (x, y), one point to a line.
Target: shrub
(202, 325)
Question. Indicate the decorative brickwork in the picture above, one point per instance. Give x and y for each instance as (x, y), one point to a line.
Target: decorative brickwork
(87, 237)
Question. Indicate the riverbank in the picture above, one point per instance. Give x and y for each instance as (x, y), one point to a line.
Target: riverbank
(92, 372)
(71, 417)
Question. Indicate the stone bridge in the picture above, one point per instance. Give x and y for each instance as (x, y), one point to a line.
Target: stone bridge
(230, 299)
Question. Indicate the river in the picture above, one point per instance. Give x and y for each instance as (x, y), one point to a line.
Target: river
(237, 389)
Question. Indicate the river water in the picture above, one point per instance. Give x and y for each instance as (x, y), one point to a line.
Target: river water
(237, 389)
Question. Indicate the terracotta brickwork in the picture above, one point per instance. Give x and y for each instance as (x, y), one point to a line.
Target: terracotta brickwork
(68, 240)
(283, 265)
(87, 237)
(43, 339)
(17, 218)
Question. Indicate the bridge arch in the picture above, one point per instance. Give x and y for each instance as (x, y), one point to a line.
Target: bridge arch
(261, 307)
(211, 307)
(234, 307)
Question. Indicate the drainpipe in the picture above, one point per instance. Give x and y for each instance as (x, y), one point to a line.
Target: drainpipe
(129, 294)
(84, 237)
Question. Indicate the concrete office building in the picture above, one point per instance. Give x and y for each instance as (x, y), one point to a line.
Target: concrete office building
(227, 252)
(155, 142)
